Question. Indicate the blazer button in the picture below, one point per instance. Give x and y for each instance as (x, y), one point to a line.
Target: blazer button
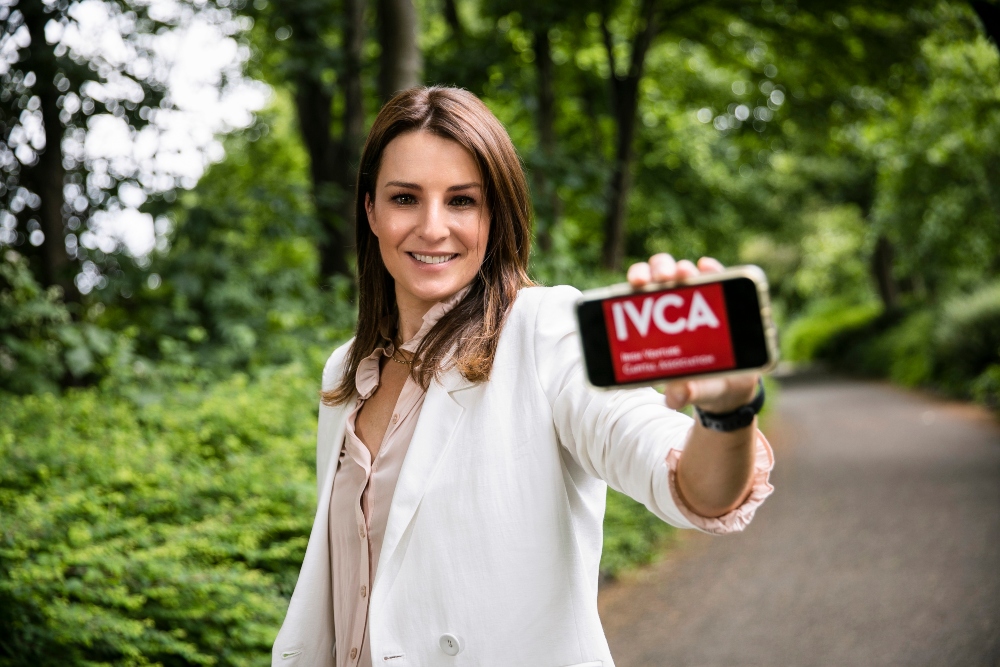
(451, 644)
(354, 653)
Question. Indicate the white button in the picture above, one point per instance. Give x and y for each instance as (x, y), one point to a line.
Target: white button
(395, 418)
(451, 644)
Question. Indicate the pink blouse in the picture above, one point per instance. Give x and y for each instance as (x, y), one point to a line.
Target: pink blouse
(363, 490)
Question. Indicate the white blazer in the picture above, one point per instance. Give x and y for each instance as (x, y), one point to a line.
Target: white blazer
(494, 533)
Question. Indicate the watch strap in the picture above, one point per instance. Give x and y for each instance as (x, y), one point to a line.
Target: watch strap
(736, 419)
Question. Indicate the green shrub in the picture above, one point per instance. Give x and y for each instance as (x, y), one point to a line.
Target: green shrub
(41, 347)
(902, 351)
(805, 338)
(157, 529)
(968, 336)
(632, 534)
(986, 387)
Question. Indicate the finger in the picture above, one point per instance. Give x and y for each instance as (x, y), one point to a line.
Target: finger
(707, 390)
(710, 265)
(663, 267)
(639, 274)
(686, 269)
(677, 394)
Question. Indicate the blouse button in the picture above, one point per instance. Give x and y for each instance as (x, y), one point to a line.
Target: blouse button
(395, 418)
(354, 653)
(361, 531)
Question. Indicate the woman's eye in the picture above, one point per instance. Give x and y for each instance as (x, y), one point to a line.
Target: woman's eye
(404, 200)
(463, 201)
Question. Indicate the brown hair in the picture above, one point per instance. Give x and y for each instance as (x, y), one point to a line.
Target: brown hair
(472, 328)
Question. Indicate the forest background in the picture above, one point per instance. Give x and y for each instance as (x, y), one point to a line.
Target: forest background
(852, 149)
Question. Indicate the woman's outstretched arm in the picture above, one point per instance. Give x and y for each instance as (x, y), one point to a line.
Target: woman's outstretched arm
(716, 470)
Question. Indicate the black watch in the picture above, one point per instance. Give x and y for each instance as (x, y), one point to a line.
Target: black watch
(736, 419)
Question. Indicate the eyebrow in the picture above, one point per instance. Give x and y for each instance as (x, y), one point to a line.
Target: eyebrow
(416, 186)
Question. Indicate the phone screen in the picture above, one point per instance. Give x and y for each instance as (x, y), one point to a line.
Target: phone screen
(676, 332)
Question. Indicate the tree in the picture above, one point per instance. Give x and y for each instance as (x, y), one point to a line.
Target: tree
(400, 62)
(314, 47)
(48, 96)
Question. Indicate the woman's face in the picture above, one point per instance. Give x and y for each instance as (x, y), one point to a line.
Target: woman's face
(430, 217)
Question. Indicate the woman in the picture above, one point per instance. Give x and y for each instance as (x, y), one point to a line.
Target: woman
(462, 459)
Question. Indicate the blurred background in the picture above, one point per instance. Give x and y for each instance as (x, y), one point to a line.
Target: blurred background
(176, 259)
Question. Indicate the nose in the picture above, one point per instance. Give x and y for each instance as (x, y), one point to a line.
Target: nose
(433, 224)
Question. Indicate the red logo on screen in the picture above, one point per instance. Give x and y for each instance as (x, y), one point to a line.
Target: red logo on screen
(666, 334)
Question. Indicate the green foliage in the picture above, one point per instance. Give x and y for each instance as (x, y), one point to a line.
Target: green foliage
(954, 348)
(902, 351)
(41, 347)
(986, 387)
(237, 286)
(968, 336)
(937, 144)
(159, 528)
(807, 337)
(632, 534)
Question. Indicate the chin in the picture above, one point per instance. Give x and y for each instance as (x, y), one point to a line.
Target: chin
(434, 290)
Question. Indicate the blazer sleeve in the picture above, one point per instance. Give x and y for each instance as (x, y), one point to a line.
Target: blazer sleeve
(622, 436)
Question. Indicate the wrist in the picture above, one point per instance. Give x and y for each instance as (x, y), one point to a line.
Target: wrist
(736, 418)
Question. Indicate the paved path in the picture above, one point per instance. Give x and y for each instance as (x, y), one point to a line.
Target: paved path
(880, 546)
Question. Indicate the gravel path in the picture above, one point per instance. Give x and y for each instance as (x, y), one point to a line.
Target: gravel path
(880, 546)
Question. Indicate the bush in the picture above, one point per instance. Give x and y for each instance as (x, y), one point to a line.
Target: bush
(153, 529)
(901, 350)
(968, 336)
(632, 535)
(41, 347)
(986, 388)
(954, 348)
(808, 336)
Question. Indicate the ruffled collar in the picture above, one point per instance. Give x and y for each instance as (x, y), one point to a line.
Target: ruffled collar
(367, 377)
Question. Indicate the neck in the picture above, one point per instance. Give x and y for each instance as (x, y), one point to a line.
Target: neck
(411, 314)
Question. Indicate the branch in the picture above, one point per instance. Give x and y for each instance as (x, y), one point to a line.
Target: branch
(643, 39)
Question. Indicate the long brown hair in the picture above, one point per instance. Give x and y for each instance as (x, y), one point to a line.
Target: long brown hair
(472, 328)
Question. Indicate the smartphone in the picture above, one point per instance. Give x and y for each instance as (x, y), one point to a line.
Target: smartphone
(711, 324)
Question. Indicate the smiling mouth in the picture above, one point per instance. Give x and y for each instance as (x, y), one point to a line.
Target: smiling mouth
(432, 259)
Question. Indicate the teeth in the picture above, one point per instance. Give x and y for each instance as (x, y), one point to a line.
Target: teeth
(429, 259)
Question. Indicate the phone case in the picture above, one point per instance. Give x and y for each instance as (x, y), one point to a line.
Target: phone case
(754, 273)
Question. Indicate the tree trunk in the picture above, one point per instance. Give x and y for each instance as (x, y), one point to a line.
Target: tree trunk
(46, 177)
(549, 208)
(313, 104)
(625, 103)
(454, 22)
(882, 270)
(353, 121)
(401, 64)
(333, 163)
(621, 180)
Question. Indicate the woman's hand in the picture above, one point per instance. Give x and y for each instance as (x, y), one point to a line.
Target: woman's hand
(719, 393)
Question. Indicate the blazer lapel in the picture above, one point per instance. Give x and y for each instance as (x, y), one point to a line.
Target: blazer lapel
(432, 438)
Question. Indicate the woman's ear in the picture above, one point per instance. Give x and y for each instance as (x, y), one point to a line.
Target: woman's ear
(370, 212)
